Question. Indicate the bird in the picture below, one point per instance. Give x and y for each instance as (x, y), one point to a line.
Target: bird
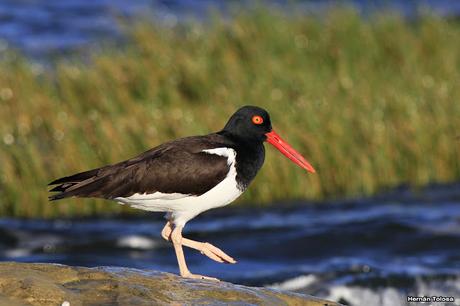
(186, 177)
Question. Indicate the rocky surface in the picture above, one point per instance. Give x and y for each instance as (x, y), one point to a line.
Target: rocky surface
(50, 284)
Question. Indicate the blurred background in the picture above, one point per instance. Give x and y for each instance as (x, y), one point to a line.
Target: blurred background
(367, 90)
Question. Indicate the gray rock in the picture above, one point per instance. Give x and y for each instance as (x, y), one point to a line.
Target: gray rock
(51, 284)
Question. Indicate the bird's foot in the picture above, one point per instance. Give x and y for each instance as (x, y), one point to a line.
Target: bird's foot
(197, 276)
(215, 253)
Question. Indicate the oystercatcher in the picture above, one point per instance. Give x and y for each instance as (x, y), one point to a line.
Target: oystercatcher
(186, 177)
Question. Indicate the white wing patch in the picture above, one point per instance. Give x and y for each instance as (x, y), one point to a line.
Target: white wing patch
(229, 153)
(183, 207)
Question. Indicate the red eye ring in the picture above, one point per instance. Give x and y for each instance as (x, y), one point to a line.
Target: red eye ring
(257, 120)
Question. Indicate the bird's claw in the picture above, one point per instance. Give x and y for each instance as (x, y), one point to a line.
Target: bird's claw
(197, 276)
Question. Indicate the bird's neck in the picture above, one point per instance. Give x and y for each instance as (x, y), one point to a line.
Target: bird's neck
(242, 140)
(249, 160)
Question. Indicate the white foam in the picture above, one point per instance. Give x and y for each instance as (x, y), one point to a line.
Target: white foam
(391, 296)
(17, 253)
(358, 296)
(136, 242)
(449, 287)
(295, 283)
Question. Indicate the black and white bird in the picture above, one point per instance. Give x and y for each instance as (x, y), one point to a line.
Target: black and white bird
(186, 177)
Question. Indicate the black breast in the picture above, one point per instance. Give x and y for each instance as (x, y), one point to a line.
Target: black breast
(249, 160)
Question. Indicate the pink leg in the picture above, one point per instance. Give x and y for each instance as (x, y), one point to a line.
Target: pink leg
(176, 238)
(204, 247)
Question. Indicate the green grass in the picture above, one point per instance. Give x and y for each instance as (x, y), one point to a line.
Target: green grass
(371, 104)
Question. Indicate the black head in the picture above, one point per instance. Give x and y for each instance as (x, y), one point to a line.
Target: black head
(249, 123)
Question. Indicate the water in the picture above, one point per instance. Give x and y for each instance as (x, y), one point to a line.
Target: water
(363, 252)
(45, 29)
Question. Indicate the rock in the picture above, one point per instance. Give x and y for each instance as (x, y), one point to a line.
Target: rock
(51, 284)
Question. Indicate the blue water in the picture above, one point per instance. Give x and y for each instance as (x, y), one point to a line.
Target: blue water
(364, 252)
(44, 29)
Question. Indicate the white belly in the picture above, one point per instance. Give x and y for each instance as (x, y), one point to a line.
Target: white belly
(183, 207)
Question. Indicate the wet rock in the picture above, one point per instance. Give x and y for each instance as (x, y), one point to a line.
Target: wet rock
(50, 284)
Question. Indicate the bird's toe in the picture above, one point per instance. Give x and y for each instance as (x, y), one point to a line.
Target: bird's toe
(216, 254)
(197, 276)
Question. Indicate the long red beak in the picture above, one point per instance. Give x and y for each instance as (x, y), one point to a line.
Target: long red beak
(275, 140)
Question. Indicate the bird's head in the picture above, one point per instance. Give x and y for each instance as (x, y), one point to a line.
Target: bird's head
(251, 124)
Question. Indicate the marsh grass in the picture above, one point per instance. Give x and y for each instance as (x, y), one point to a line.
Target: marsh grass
(372, 104)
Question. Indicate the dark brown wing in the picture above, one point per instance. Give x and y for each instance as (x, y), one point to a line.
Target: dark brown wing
(179, 166)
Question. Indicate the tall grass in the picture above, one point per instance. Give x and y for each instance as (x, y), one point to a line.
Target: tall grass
(372, 104)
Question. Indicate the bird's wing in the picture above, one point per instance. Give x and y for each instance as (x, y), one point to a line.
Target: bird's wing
(181, 166)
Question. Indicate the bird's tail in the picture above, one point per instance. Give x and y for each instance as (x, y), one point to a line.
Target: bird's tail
(80, 184)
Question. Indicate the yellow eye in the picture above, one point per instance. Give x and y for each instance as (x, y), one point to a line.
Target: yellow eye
(257, 120)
